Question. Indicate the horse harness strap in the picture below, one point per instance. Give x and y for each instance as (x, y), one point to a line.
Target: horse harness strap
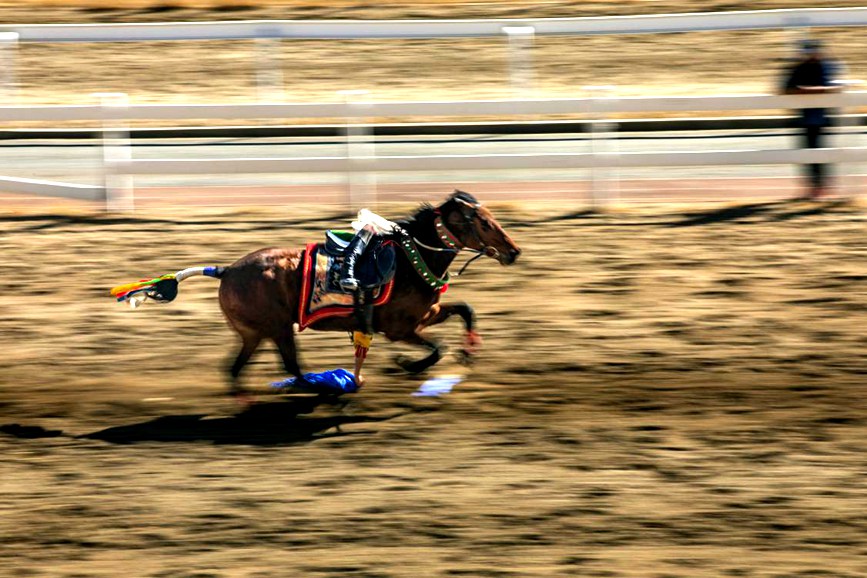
(451, 243)
(447, 237)
(418, 263)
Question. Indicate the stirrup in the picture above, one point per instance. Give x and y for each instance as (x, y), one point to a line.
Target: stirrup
(349, 284)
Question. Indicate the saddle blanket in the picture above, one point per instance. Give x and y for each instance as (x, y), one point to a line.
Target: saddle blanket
(321, 296)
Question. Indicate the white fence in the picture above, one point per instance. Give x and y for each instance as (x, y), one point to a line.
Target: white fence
(349, 29)
(119, 164)
(370, 109)
(519, 32)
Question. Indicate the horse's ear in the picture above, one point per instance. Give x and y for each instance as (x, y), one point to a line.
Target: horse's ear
(464, 197)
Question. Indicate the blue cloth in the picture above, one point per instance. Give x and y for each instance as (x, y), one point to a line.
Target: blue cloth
(332, 382)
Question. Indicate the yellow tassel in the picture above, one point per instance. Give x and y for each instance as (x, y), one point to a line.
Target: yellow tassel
(360, 339)
(138, 284)
(127, 287)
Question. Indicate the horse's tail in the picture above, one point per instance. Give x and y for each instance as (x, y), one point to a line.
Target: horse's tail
(162, 289)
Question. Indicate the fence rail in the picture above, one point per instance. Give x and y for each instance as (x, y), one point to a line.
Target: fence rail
(489, 162)
(478, 108)
(52, 189)
(119, 164)
(358, 29)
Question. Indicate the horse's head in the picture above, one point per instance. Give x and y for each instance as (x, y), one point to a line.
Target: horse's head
(465, 220)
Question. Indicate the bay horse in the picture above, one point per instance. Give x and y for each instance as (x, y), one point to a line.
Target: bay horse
(259, 294)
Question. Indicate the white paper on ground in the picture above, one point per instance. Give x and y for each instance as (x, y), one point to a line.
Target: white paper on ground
(436, 386)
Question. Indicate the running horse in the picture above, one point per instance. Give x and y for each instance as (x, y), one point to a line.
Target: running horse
(259, 294)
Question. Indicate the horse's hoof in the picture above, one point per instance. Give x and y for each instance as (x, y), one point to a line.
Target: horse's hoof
(403, 361)
(465, 357)
(409, 365)
(417, 366)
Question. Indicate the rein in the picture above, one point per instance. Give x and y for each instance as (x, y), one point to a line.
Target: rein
(467, 264)
(455, 251)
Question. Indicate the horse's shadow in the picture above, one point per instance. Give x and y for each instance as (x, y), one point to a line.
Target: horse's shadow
(273, 423)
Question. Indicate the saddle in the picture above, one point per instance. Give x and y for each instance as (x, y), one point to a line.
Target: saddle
(321, 294)
(374, 269)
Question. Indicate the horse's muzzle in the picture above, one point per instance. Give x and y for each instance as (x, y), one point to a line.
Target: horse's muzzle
(508, 257)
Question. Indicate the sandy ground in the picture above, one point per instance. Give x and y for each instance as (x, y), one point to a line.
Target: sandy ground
(669, 392)
(453, 69)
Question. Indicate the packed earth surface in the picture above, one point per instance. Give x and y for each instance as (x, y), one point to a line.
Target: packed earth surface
(668, 391)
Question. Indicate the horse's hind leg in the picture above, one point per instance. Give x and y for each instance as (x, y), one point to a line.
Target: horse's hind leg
(250, 341)
(285, 343)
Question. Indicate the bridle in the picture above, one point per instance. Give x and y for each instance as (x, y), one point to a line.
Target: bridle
(452, 243)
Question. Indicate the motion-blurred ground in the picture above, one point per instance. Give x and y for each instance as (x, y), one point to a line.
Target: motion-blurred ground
(666, 392)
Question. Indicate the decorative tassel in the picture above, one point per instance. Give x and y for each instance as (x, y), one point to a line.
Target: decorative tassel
(362, 343)
(164, 288)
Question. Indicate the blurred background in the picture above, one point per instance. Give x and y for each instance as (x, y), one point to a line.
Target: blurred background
(672, 379)
(508, 59)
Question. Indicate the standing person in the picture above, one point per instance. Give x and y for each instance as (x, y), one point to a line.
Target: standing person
(813, 73)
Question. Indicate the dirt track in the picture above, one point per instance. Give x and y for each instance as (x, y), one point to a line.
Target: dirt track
(666, 392)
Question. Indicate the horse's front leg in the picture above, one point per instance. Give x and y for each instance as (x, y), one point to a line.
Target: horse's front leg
(442, 311)
(416, 338)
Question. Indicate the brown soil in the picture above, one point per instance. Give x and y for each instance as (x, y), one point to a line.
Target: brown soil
(666, 392)
(220, 71)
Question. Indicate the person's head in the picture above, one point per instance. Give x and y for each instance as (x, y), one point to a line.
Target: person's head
(811, 49)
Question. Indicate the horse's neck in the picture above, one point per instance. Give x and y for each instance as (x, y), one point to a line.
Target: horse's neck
(437, 261)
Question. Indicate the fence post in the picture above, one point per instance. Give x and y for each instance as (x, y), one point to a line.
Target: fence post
(269, 70)
(116, 150)
(849, 177)
(360, 150)
(9, 66)
(521, 41)
(604, 181)
(860, 181)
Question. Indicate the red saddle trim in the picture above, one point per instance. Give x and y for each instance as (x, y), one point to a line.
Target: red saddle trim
(305, 318)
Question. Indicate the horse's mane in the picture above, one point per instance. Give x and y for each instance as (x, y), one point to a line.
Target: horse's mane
(426, 210)
(423, 213)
